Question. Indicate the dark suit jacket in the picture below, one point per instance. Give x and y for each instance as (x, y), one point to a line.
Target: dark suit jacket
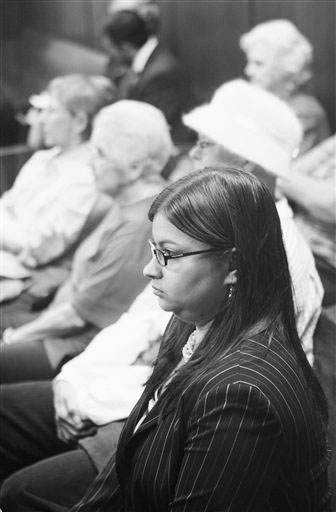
(244, 436)
(162, 84)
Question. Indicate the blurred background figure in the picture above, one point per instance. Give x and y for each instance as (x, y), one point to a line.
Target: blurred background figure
(149, 11)
(279, 59)
(43, 214)
(147, 71)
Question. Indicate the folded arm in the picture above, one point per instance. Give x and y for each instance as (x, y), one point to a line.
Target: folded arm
(316, 196)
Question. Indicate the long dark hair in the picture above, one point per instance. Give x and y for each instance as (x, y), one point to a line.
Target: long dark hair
(228, 208)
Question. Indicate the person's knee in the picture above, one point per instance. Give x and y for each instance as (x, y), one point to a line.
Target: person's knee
(13, 491)
(26, 425)
(46, 485)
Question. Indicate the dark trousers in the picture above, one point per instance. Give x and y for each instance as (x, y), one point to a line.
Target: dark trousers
(55, 474)
(24, 361)
(52, 485)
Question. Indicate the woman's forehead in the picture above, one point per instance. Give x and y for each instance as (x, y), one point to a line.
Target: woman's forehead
(165, 232)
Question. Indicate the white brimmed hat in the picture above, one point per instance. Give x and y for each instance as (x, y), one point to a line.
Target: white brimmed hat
(252, 123)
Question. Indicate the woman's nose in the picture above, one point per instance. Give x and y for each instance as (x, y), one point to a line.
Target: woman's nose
(152, 270)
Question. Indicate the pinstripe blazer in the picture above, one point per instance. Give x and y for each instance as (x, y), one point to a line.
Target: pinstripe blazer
(245, 436)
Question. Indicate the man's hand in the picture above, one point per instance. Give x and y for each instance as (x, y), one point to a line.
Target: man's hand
(70, 424)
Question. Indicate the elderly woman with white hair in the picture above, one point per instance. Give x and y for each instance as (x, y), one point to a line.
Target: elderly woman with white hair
(279, 59)
(131, 144)
(45, 211)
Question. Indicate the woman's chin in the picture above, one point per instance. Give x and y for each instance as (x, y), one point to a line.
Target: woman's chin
(165, 305)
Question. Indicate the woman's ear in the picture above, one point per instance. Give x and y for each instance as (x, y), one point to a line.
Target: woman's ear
(233, 260)
(231, 277)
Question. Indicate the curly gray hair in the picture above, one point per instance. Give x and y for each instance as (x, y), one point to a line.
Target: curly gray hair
(293, 50)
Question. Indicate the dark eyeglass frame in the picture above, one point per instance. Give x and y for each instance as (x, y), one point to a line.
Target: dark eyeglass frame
(166, 257)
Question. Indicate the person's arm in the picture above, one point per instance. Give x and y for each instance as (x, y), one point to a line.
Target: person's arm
(57, 320)
(56, 230)
(315, 196)
(233, 451)
(54, 226)
(96, 376)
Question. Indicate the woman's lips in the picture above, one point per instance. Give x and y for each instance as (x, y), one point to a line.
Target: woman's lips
(156, 291)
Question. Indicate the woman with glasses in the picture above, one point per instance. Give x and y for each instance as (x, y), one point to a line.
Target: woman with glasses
(232, 417)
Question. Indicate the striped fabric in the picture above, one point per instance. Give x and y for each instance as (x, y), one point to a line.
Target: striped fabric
(306, 283)
(243, 437)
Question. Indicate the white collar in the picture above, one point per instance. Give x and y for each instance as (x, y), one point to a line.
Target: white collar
(142, 56)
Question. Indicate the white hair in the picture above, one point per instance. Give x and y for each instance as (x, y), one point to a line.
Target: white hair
(137, 133)
(293, 49)
(83, 93)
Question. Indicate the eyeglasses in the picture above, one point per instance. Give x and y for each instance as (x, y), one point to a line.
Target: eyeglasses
(163, 257)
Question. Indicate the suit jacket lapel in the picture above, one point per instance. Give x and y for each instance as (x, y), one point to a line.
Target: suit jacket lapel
(150, 65)
(130, 438)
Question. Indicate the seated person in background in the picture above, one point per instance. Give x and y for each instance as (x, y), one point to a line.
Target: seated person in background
(311, 186)
(149, 11)
(132, 143)
(92, 396)
(247, 127)
(279, 59)
(218, 426)
(154, 75)
(44, 212)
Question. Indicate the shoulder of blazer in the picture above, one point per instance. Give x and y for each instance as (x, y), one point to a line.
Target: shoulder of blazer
(253, 363)
(162, 61)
